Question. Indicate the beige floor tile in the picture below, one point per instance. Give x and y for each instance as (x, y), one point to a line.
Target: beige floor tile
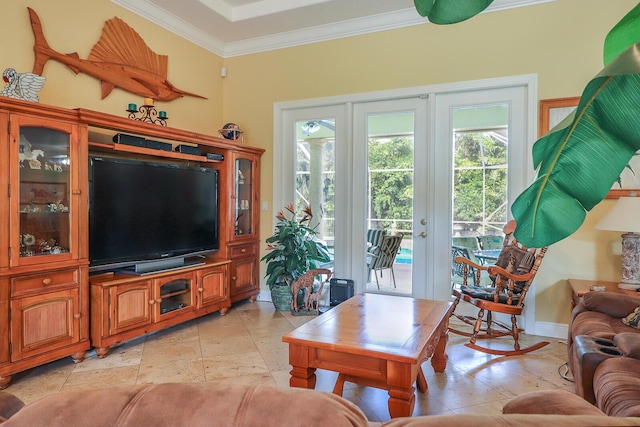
(160, 350)
(221, 346)
(89, 379)
(41, 381)
(171, 371)
(234, 365)
(245, 347)
(126, 354)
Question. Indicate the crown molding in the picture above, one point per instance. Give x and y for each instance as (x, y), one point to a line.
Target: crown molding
(337, 30)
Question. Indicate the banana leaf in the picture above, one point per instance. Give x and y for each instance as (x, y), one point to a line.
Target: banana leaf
(624, 34)
(579, 159)
(450, 11)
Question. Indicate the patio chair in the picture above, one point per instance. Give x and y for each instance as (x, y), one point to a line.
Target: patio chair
(470, 243)
(382, 257)
(465, 272)
(511, 277)
(490, 242)
(374, 237)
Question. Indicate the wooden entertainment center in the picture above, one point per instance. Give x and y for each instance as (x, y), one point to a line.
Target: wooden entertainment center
(50, 306)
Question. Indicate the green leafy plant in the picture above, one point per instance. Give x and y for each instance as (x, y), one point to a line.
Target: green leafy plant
(582, 157)
(450, 11)
(294, 248)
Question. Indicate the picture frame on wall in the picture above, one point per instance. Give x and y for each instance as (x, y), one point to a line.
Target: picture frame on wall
(553, 111)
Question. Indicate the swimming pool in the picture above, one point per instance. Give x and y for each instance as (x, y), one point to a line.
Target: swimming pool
(404, 256)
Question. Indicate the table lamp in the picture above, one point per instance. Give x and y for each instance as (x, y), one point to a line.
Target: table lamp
(625, 217)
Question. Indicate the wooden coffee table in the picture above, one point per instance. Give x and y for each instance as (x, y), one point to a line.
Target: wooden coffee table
(373, 340)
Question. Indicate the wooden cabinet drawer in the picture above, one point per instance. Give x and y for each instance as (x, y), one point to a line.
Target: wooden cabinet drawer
(244, 250)
(44, 282)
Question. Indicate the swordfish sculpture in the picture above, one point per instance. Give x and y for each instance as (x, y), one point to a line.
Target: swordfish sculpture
(120, 58)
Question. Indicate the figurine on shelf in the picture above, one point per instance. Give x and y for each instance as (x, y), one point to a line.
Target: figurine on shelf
(52, 167)
(34, 163)
(21, 85)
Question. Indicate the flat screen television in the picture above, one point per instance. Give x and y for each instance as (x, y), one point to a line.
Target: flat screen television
(146, 216)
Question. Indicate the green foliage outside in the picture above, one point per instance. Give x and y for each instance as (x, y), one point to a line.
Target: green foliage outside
(391, 182)
(480, 175)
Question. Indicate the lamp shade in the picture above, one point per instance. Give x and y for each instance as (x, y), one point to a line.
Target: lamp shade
(624, 216)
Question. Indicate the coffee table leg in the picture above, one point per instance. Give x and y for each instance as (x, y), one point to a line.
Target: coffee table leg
(401, 402)
(439, 358)
(302, 375)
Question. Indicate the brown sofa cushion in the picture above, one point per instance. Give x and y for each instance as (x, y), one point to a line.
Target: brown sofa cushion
(598, 324)
(628, 343)
(171, 405)
(616, 383)
(612, 304)
(556, 402)
(511, 420)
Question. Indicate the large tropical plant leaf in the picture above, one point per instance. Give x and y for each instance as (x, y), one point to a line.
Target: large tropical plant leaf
(579, 160)
(624, 34)
(450, 11)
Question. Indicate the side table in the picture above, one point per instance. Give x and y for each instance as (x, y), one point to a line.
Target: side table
(580, 287)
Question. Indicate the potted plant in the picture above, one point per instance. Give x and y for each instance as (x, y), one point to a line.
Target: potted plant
(294, 248)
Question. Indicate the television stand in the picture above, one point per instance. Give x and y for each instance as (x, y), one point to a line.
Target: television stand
(126, 306)
(162, 265)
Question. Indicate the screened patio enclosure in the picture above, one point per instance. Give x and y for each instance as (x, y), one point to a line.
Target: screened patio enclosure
(479, 179)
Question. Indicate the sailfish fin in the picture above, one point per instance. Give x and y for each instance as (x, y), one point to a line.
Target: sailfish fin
(121, 44)
(106, 88)
(73, 68)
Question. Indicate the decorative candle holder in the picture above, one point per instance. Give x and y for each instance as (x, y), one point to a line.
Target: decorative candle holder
(148, 113)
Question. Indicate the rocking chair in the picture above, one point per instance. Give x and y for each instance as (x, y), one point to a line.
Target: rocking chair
(512, 275)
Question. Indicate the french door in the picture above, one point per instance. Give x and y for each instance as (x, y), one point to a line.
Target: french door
(390, 165)
(393, 168)
(482, 143)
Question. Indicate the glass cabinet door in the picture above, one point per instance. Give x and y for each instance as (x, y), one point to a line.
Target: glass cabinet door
(44, 192)
(244, 196)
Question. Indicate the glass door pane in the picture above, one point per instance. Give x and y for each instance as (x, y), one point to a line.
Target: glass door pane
(315, 174)
(244, 197)
(390, 189)
(45, 189)
(480, 156)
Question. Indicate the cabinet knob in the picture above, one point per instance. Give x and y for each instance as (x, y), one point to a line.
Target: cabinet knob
(159, 300)
(233, 277)
(200, 289)
(46, 281)
(77, 315)
(243, 250)
(152, 301)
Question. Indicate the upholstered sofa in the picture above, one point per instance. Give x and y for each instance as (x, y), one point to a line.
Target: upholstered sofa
(214, 404)
(603, 352)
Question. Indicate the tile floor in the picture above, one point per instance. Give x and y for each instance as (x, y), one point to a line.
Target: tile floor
(245, 346)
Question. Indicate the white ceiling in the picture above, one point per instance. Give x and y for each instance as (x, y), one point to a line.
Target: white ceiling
(238, 27)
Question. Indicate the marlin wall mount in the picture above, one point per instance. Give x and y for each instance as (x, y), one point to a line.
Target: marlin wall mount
(120, 58)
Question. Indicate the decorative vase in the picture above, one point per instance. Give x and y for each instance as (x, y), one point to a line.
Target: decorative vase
(281, 297)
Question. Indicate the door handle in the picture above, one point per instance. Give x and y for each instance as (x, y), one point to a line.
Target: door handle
(422, 234)
(423, 221)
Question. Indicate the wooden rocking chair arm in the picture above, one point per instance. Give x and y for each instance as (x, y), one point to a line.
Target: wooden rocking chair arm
(463, 260)
(495, 270)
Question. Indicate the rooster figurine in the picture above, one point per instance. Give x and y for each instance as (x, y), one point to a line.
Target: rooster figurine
(21, 86)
